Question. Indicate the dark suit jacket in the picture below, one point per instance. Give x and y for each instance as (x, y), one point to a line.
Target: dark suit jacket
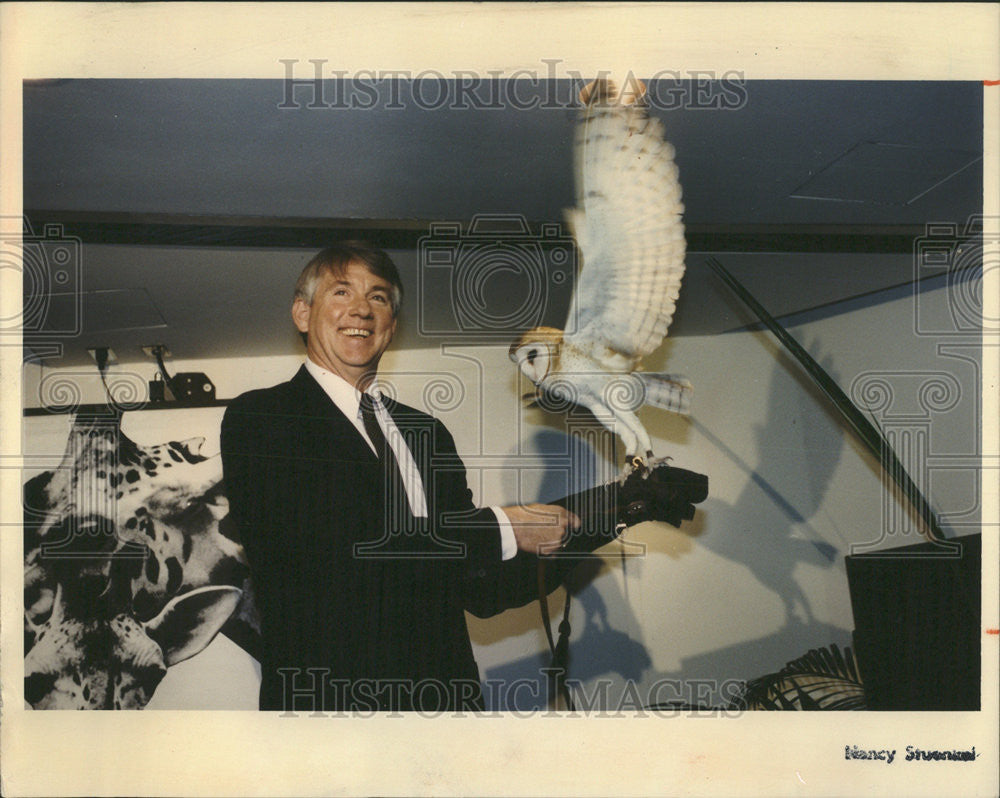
(357, 611)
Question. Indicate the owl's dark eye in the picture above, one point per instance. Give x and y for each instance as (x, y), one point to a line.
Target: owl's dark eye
(532, 354)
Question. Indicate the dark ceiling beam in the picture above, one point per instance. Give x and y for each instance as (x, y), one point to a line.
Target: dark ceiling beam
(266, 232)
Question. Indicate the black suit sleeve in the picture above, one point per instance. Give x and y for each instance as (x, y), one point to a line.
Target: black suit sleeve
(515, 582)
(256, 479)
(456, 519)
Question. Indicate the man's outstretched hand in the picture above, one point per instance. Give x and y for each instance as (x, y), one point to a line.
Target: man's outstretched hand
(664, 494)
(541, 528)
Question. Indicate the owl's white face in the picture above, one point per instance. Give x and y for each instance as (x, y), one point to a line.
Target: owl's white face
(534, 358)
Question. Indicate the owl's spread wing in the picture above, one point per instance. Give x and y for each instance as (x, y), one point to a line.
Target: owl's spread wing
(629, 231)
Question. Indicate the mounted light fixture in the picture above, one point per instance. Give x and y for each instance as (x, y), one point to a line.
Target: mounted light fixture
(186, 387)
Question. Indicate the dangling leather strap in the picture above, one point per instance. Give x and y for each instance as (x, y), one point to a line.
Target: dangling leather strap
(560, 650)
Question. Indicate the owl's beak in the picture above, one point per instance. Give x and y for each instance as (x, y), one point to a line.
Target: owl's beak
(531, 398)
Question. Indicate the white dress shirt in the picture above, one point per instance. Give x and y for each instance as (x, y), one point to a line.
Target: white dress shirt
(348, 400)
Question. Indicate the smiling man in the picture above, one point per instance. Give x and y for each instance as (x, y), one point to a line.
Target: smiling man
(348, 317)
(364, 545)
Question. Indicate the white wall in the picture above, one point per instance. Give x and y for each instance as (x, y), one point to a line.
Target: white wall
(757, 579)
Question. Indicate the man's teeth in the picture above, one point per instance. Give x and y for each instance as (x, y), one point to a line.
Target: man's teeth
(356, 332)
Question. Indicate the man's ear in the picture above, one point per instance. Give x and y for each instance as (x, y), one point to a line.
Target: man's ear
(300, 314)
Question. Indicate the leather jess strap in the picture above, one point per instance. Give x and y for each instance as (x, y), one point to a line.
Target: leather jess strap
(664, 493)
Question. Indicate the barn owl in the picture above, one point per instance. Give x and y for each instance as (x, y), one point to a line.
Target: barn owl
(630, 236)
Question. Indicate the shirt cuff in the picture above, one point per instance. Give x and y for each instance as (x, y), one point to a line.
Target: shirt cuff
(508, 543)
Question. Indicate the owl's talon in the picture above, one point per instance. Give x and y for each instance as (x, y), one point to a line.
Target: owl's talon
(655, 462)
(644, 465)
(633, 464)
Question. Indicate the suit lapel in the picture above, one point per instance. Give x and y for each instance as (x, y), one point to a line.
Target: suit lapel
(335, 429)
(338, 432)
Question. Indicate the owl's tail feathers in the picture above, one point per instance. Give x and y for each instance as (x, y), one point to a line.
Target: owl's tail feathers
(670, 391)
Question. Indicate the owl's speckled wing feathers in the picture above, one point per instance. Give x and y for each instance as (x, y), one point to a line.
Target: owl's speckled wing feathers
(630, 235)
(628, 227)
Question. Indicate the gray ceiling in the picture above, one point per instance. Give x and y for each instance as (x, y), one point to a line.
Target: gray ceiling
(197, 202)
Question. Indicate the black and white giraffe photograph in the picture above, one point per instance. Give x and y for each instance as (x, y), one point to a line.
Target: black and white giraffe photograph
(453, 380)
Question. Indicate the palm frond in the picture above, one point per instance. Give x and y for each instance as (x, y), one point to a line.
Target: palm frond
(825, 662)
(822, 679)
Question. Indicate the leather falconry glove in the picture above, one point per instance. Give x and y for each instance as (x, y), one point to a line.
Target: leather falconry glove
(663, 493)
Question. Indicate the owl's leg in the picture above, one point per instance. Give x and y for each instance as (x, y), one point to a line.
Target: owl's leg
(638, 446)
(626, 425)
(641, 442)
(613, 425)
(610, 420)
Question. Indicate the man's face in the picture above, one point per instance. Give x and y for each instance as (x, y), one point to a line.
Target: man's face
(350, 322)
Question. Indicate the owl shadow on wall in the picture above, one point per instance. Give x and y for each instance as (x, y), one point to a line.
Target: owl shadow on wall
(766, 529)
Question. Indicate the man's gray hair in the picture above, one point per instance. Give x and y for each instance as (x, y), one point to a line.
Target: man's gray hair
(335, 260)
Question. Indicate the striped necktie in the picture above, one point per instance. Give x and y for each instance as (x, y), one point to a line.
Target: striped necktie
(396, 498)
